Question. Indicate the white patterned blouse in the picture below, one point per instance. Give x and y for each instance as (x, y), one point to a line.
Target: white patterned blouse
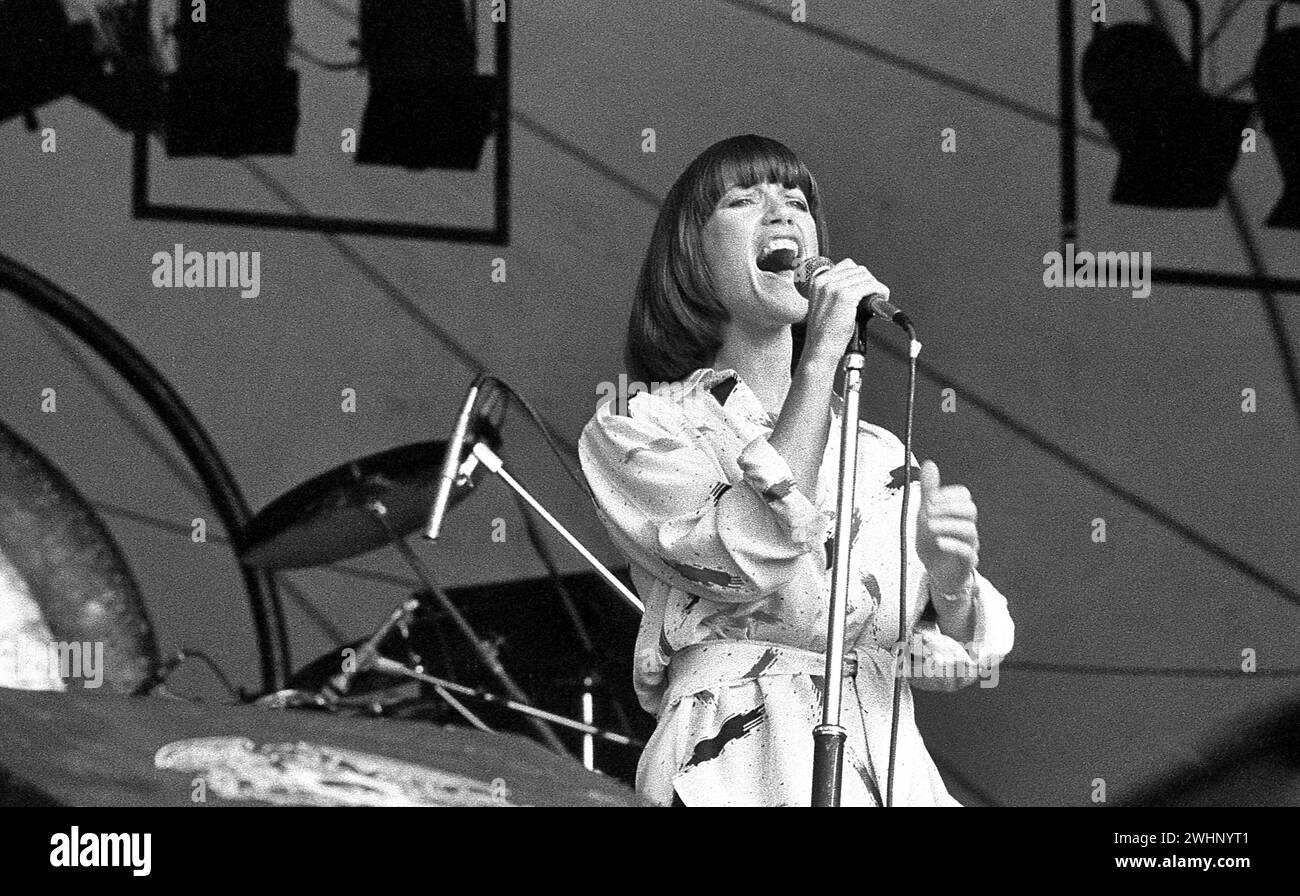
(731, 560)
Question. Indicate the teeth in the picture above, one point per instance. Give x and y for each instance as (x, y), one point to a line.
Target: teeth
(779, 243)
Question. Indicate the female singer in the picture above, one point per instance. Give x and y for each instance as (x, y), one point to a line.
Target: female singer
(719, 485)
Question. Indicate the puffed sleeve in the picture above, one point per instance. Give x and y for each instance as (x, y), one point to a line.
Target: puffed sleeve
(670, 506)
(946, 664)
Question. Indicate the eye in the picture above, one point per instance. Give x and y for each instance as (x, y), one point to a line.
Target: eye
(740, 200)
(799, 203)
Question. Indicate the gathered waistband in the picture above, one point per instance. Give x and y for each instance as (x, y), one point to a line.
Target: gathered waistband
(709, 664)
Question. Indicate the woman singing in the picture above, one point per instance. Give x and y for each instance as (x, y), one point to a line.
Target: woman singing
(719, 485)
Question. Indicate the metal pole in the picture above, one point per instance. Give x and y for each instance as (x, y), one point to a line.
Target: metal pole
(1069, 126)
(829, 736)
(493, 462)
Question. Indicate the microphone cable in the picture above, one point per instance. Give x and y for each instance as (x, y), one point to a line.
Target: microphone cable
(914, 349)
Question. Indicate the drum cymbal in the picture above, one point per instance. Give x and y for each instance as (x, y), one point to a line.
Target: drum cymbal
(327, 518)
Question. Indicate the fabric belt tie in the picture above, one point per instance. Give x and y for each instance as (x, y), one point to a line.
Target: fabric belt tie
(711, 664)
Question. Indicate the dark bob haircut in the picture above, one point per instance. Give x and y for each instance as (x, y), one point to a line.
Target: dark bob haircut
(677, 320)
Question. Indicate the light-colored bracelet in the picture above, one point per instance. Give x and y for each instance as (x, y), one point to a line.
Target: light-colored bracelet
(968, 591)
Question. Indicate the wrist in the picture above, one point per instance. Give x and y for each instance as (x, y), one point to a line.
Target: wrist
(819, 362)
(952, 599)
(956, 611)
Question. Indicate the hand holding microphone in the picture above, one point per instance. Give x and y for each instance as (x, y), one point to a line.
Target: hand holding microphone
(839, 295)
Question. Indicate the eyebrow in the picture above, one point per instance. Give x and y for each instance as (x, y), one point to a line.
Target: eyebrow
(795, 189)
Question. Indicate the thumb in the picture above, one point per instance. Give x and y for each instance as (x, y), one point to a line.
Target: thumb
(929, 479)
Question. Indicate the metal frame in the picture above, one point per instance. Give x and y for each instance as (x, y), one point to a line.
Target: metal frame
(143, 207)
(1069, 130)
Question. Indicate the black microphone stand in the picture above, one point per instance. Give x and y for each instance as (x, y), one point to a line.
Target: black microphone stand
(829, 736)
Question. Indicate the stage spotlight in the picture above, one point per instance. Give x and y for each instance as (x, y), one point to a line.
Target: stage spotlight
(1277, 88)
(43, 55)
(128, 89)
(1177, 144)
(232, 93)
(428, 107)
(100, 56)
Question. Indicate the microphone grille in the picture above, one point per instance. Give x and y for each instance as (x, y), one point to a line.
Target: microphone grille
(808, 269)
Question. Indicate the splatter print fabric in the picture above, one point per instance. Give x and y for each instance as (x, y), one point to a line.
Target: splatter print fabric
(731, 560)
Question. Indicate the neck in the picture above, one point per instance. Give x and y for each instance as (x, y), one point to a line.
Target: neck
(762, 361)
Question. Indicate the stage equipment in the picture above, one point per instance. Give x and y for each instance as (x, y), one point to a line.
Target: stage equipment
(428, 106)
(101, 57)
(219, 486)
(1177, 144)
(829, 736)
(66, 749)
(232, 93)
(1277, 87)
(58, 559)
(327, 518)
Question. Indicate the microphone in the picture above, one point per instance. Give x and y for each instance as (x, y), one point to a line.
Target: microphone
(475, 424)
(868, 307)
(450, 463)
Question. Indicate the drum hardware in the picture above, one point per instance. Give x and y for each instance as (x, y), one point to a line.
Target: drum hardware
(293, 698)
(484, 653)
(588, 717)
(326, 518)
(398, 620)
(315, 525)
(333, 698)
(591, 678)
(394, 668)
(379, 500)
(485, 437)
(156, 684)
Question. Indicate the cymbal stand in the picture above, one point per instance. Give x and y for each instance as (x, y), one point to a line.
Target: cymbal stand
(590, 678)
(392, 667)
(484, 454)
(485, 654)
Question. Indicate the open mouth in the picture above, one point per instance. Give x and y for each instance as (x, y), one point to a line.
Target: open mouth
(778, 255)
(783, 276)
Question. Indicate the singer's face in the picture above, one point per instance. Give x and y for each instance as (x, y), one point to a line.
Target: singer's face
(747, 222)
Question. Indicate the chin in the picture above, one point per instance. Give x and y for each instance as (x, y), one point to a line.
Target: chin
(776, 301)
(795, 308)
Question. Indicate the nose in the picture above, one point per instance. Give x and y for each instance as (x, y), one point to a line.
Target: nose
(777, 210)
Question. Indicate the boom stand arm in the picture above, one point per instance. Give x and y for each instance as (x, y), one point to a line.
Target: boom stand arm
(494, 464)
